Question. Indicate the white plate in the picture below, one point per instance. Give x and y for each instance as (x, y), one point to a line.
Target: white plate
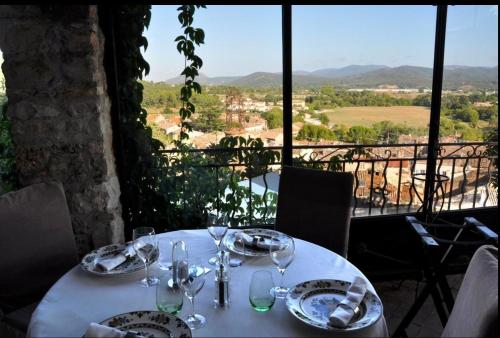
(229, 242)
(133, 264)
(146, 323)
(314, 300)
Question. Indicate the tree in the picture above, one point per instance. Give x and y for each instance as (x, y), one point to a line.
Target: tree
(422, 100)
(466, 115)
(315, 133)
(362, 135)
(209, 120)
(324, 119)
(274, 118)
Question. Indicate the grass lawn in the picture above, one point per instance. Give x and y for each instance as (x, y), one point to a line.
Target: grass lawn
(413, 116)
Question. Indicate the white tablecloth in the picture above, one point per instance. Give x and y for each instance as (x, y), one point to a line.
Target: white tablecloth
(79, 298)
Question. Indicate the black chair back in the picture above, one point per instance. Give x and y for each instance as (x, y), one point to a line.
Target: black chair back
(315, 206)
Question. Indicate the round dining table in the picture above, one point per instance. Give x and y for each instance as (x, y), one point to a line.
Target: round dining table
(79, 298)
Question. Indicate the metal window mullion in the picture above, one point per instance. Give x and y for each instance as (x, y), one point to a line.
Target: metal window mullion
(287, 84)
(437, 86)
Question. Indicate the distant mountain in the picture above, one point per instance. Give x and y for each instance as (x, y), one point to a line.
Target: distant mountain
(365, 76)
(205, 80)
(334, 73)
(403, 77)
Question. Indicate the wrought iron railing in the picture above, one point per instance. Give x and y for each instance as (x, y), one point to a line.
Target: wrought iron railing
(388, 178)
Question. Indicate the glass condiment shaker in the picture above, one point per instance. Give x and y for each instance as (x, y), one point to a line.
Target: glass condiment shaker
(222, 278)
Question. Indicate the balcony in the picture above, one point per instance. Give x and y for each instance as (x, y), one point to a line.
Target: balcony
(389, 179)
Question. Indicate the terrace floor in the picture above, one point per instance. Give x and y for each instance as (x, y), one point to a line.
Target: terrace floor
(398, 297)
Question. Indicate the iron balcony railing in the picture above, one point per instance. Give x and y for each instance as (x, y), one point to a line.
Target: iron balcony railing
(389, 179)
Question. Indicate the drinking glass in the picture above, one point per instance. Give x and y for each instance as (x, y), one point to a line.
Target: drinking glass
(217, 225)
(281, 251)
(145, 245)
(260, 295)
(192, 282)
(179, 262)
(238, 240)
(165, 246)
(169, 297)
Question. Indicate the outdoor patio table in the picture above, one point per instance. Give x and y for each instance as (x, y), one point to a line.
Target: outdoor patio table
(80, 298)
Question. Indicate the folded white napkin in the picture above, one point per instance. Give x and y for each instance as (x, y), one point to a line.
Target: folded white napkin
(112, 262)
(344, 312)
(101, 331)
(255, 242)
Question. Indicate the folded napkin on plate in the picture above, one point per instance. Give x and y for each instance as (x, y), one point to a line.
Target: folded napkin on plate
(110, 263)
(344, 312)
(255, 241)
(100, 331)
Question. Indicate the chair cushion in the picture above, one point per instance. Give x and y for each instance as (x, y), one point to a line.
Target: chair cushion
(20, 318)
(475, 313)
(37, 243)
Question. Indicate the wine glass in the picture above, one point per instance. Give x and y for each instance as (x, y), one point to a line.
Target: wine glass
(239, 241)
(192, 282)
(217, 225)
(281, 250)
(145, 246)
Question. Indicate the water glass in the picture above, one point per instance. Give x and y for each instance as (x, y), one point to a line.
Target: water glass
(165, 246)
(169, 297)
(144, 244)
(260, 295)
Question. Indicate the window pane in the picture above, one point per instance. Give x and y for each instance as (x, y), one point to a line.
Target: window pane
(469, 110)
(362, 75)
(242, 96)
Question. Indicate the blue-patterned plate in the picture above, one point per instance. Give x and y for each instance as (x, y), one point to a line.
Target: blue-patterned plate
(150, 324)
(314, 300)
(133, 264)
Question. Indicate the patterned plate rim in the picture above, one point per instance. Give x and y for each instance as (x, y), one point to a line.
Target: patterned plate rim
(369, 296)
(190, 334)
(231, 247)
(104, 273)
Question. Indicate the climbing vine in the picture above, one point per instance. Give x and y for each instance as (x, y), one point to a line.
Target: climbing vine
(192, 63)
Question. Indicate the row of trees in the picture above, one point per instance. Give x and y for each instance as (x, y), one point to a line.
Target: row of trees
(380, 132)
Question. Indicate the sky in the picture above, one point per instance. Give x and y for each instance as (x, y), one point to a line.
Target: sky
(240, 40)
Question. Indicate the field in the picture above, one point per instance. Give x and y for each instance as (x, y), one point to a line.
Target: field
(413, 116)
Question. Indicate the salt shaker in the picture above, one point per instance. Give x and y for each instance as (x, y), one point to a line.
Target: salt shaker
(222, 279)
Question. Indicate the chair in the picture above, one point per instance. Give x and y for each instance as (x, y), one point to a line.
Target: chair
(475, 313)
(315, 206)
(38, 247)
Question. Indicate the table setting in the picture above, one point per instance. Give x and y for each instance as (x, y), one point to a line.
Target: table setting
(217, 281)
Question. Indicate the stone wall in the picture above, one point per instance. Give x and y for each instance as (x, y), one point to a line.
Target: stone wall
(60, 112)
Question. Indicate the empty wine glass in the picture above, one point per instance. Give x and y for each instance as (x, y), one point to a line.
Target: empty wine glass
(281, 250)
(217, 225)
(192, 282)
(240, 242)
(145, 246)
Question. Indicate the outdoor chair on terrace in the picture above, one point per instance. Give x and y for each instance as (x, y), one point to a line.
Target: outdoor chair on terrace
(315, 206)
(38, 247)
